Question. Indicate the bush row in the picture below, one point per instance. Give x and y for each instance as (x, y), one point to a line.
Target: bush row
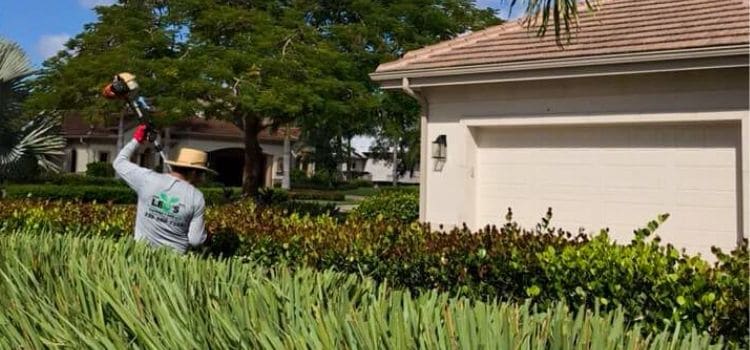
(323, 180)
(652, 283)
(102, 194)
(86, 180)
(398, 205)
(93, 293)
(89, 189)
(316, 195)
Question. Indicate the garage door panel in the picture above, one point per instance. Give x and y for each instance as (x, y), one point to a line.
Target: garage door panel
(706, 179)
(619, 177)
(709, 199)
(702, 158)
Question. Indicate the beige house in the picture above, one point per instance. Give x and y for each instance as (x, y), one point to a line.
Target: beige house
(87, 143)
(644, 112)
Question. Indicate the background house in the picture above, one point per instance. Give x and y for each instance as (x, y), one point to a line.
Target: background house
(87, 143)
(639, 114)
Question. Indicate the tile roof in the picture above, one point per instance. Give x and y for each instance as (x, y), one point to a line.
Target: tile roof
(219, 128)
(74, 125)
(616, 27)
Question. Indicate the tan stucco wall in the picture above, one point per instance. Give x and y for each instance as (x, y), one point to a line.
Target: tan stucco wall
(88, 152)
(451, 196)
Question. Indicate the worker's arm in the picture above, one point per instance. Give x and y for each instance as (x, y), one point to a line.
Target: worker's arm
(197, 231)
(133, 175)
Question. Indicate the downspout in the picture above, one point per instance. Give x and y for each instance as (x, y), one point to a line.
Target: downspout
(423, 142)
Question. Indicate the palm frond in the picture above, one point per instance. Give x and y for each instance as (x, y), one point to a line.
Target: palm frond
(558, 15)
(39, 141)
(14, 64)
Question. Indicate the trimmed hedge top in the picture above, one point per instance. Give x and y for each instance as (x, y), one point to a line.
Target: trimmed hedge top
(652, 283)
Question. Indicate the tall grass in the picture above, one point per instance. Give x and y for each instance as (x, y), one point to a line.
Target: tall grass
(64, 291)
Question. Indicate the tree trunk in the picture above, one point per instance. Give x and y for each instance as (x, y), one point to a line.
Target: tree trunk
(395, 163)
(285, 181)
(349, 164)
(252, 176)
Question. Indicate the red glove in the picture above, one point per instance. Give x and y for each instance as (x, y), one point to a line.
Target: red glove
(140, 133)
(108, 93)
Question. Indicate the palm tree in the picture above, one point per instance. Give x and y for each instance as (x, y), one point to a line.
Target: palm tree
(563, 13)
(23, 142)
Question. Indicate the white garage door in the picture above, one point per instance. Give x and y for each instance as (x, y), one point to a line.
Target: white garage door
(618, 177)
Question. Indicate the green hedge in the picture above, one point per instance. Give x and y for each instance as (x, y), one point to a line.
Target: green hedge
(100, 169)
(71, 179)
(316, 195)
(101, 194)
(78, 179)
(102, 294)
(399, 205)
(84, 193)
(650, 282)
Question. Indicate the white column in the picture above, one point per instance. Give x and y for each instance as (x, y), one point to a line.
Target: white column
(745, 178)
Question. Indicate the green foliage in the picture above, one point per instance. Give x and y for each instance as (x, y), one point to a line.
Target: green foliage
(26, 144)
(324, 180)
(401, 206)
(332, 196)
(85, 193)
(102, 193)
(96, 293)
(100, 169)
(71, 180)
(285, 202)
(653, 284)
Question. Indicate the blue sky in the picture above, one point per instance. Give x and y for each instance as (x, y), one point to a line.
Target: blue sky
(41, 27)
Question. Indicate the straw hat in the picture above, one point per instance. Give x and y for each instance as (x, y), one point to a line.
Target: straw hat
(191, 158)
(129, 80)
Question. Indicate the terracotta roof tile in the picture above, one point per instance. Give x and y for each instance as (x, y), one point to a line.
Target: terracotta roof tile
(219, 128)
(618, 26)
(76, 126)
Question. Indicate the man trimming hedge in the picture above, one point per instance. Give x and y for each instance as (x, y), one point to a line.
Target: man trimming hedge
(170, 209)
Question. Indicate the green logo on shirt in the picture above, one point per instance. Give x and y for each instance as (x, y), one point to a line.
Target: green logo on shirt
(166, 203)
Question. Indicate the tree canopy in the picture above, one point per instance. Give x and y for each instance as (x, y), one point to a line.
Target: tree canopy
(258, 64)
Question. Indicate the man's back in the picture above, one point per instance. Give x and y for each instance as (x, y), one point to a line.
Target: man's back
(170, 210)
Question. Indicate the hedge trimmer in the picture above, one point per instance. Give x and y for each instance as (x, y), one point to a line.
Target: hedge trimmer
(125, 87)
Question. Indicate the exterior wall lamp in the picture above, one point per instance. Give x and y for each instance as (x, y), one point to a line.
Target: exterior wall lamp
(440, 152)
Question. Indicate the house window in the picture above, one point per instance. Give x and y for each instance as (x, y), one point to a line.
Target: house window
(104, 157)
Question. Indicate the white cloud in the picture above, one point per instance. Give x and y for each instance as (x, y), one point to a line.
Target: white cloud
(94, 3)
(49, 45)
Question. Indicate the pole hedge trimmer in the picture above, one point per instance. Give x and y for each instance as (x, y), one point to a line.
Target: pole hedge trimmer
(125, 87)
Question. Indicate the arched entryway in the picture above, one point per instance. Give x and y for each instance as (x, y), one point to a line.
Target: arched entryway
(229, 164)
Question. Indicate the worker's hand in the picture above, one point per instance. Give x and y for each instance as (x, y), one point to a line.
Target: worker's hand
(141, 133)
(108, 93)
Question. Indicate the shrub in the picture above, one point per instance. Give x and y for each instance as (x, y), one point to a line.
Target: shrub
(316, 195)
(84, 193)
(72, 179)
(119, 194)
(392, 205)
(93, 293)
(100, 169)
(280, 199)
(652, 283)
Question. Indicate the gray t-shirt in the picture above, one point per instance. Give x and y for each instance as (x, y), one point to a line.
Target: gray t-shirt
(170, 211)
